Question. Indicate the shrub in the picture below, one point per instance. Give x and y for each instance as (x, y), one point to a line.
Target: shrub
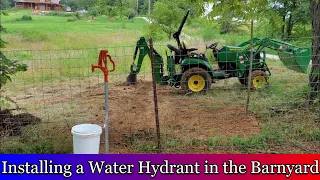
(54, 14)
(67, 15)
(131, 13)
(62, 14)
(77, 15)
(26, 18)
(71, 19)
(8, 68)
(93, 12)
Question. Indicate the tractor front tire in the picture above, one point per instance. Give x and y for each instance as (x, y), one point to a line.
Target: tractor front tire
(259, 79)
(195, 80)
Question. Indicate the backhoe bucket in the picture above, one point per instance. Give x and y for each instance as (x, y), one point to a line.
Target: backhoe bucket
(298, 60)
(132, 78)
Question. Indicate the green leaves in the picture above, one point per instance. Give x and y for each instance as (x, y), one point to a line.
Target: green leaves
(4, 102)
(2, 30)
(7, 66)
(241, 9)
(167, 16)
(4, 4)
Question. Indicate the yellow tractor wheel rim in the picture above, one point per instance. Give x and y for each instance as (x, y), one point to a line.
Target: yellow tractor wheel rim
(259, 81)
(196, 83)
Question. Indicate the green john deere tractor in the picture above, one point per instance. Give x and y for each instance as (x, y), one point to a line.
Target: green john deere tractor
(196, 73)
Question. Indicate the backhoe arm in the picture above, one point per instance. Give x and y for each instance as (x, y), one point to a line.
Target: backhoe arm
(143, 49)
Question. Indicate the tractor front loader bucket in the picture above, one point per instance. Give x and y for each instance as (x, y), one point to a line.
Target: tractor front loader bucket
(297, 60)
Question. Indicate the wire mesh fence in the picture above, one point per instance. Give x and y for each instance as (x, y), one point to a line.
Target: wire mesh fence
(59, 91)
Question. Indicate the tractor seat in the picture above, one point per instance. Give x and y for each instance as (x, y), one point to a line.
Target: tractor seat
(192, 54)
(199, 56)
(178, 53)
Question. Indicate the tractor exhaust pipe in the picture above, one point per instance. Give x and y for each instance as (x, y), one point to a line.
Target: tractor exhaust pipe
(132, 78)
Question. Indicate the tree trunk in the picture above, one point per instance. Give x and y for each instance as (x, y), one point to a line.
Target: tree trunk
(283, 26)
(137, 7)
(289, 26)
(314, 81)
(121, 10)
(149, 7)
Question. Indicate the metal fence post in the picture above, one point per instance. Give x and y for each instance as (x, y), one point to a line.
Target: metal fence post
(250, 69)
(155, 98)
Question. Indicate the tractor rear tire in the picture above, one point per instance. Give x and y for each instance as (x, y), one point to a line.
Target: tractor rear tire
(195, 80)
(259, 79)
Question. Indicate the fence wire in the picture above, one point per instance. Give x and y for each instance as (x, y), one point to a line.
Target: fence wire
(59, 91)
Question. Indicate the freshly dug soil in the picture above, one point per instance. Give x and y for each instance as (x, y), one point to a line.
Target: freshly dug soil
(131, 115)
(11, 124)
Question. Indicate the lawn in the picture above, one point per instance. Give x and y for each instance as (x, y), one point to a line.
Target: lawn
(55, 32)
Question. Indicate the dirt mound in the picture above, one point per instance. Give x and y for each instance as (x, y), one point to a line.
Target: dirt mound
(11, 124)
(36, 12)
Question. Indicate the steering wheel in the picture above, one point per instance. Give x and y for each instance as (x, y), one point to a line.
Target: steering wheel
(172, 48)
(213, 46)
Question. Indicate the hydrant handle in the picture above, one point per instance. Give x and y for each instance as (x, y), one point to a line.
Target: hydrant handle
(112, 62)
(103, 64)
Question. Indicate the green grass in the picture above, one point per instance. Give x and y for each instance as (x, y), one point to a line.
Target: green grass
(77, 43)
(55, 32)
(37, 139)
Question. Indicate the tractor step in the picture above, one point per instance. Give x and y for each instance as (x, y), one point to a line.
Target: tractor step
(220, 74)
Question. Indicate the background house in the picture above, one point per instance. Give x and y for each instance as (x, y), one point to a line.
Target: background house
(44, 5)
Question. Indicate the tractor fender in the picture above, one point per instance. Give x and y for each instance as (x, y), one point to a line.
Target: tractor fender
(191, 63)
